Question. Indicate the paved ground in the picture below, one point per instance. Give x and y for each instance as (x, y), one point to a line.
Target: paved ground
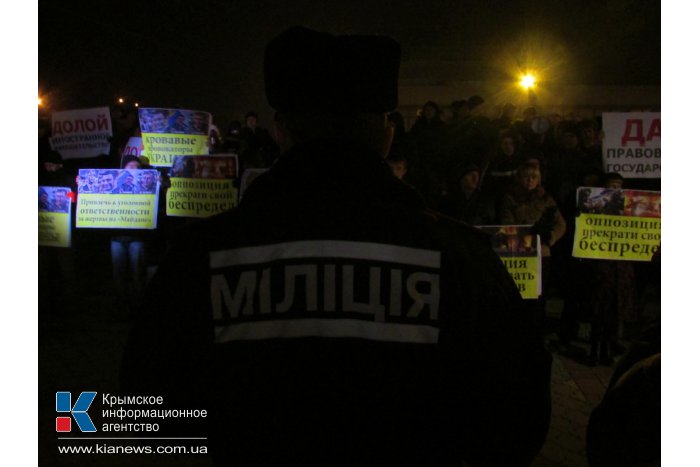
(576, 390)
(81, 345)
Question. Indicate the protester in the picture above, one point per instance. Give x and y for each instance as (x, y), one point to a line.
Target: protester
(468, 139)
(424, 145)
(527, 203)
(290, 331)
(56, 266)
(430, 118)
(398, 164)
(465, 200)
(500, 172)
(575, 279)
(261, 149)
(505, 120)
(128, 248)
(625, 428)
(613, 299)
(568, 163)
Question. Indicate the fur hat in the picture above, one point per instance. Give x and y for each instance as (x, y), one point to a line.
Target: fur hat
(311, 71)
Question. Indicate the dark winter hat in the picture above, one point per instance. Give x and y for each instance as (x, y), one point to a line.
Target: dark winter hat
(129, 158)
(460, 169)
(307, 70)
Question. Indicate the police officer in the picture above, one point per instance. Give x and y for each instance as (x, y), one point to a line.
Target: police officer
(331, 319)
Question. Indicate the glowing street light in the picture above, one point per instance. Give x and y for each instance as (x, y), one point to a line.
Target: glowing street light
(121, 100)
(136, 104)
(39, 101)
(527, 81)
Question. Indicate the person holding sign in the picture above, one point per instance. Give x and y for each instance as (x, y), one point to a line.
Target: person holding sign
(129, 247)
(465, 200)
(613, 296)
(527, 203)
(332, 319)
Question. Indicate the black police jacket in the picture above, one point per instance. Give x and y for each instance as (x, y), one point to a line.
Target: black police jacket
(331, 319)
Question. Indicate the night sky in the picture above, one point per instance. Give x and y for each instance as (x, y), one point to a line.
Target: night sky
(208, 54)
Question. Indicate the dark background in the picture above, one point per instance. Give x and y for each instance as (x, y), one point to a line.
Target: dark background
(208, 54)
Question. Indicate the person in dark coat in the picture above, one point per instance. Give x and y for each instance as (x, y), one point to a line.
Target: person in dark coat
(430, 119)
(425, 140)
(500, 172)
(331, 319)
(465, 200)
(260, 150)
(625, 428)
(613, 295)
(528, 203)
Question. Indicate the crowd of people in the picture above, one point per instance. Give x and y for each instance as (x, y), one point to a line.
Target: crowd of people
(526, 172)
(445, 362)
(480, 171)
(502, 171)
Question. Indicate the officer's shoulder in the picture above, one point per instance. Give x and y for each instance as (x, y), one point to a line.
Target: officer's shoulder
(456, 231)
(205, 232)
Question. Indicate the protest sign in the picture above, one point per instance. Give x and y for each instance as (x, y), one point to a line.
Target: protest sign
(202, 186)
(167, 133)
(520, 251)
(134, 147)
(54, 216)
(632, 144)
(123, 199)
(81, 133)
(620, 225)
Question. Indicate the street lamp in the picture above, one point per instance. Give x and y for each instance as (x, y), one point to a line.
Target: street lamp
(527, 81)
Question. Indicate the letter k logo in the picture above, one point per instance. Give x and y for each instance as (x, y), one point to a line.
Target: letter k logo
(78, 411)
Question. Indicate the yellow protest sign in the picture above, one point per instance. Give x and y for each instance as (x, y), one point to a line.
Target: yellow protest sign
(166, 133)
(520, 251)
(202, 186)
(122, 199)
(189, 197)
(54, 216)
(623, 225)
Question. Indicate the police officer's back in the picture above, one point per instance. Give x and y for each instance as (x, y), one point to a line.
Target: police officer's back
(331, 319)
